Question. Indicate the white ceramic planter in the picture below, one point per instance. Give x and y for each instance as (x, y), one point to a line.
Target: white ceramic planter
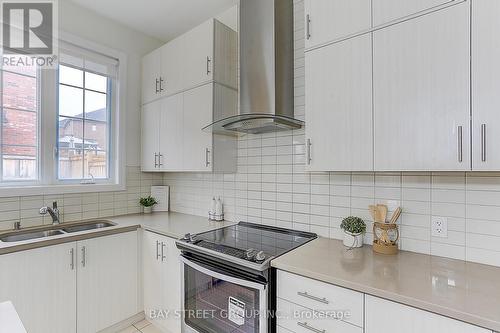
(353, 240)
(148, 210)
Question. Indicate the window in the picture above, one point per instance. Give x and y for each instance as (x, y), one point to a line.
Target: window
(61, 129)
(19, 135)
(83, 124)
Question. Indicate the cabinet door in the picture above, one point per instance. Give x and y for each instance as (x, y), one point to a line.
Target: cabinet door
(381, 314)
(385, 11)
(171, 130)
(41, 284)
(339, 106)
(198, 109)
(162, 284)
(172, 283)
(150, 118)
(107, 281)
(198, 55)
(150, 76)
(421, 93)
(485, 85)
(152, 276)
(172, 66)
(329, 20)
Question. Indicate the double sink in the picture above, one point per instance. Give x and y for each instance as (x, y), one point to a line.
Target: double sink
(53, 230)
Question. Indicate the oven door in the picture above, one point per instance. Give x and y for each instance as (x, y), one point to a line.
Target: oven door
(215, 301)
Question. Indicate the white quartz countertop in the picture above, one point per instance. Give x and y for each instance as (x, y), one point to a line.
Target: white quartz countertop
(9, 319)
(457, 289)
(170, 224)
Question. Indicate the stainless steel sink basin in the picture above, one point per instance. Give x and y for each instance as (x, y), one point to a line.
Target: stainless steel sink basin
(22, 236)
(89, 226)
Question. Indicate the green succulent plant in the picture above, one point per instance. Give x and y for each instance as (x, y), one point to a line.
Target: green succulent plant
(353, 225)
(148, 201)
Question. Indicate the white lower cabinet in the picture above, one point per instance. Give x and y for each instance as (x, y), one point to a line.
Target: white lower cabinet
(382, 315)
(321, 306)
(41, 283)
(106, 281)
(82, 287)
(162, 281)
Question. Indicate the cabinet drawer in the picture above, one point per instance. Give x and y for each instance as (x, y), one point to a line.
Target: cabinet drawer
(318, 295)
(298, 319)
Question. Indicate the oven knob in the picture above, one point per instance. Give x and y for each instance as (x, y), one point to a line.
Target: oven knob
(250, 254)
(260, 256)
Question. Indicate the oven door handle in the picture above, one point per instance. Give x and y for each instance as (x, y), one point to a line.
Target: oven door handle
(227, 278)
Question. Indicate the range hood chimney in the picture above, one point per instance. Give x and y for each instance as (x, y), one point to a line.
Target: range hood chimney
(266, 70)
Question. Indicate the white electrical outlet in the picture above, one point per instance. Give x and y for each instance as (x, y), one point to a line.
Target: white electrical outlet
(439, 227)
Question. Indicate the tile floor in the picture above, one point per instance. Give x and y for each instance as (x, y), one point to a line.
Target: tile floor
(143, 326)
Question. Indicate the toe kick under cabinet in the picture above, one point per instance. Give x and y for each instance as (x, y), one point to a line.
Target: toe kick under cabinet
(305, 305)
(76, 287)
(187, 84)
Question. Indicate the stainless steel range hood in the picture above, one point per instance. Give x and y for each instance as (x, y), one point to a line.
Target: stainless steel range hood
(266, 70)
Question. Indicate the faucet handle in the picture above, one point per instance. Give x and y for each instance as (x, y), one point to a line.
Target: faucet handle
(43, 210)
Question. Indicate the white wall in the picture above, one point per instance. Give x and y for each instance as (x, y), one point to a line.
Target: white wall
(89, 25)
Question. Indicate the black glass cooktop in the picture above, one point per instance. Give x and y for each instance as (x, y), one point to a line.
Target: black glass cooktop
(252, 242)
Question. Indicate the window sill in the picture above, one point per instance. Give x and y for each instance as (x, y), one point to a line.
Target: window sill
(21, 190)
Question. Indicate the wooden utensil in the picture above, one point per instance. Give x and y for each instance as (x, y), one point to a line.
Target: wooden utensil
(395, 216)
(373, 211)
(382, 213)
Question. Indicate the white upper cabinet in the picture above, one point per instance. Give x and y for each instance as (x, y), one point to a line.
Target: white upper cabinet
(199, 54)
(339, 106)
(198, 110)
(385, 11)
(170, 134)
(150, 126)
(330, 20)
(204, 54)
(151, 65)
(422, 93)
(485, 85)
(171, 77)
(381, 314)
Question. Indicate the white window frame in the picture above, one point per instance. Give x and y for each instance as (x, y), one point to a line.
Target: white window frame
(48, 182)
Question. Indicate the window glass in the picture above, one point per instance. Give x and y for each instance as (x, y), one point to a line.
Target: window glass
(83, 126)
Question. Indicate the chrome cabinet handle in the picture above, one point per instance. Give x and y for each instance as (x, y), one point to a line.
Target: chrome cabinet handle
(314, 298)
(208, 65)
(207, 157)
(460, 147)
(310, 328)
(308, 152)
(84, 256)
(483, 142)
(156, 163)
(156, 85)
(72, 254)
(157, 250)
(159, 160)
(308, 26)
(163, 256)
(161, 85)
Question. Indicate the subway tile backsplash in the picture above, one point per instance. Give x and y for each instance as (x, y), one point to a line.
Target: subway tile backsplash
(75, 207)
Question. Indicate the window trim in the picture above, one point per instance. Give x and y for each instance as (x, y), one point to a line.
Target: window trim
(48, 183)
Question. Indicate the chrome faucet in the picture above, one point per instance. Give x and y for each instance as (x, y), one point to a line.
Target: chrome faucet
(54, 212)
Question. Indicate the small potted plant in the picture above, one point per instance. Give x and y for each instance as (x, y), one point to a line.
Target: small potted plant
(354, 228)
(147, 203)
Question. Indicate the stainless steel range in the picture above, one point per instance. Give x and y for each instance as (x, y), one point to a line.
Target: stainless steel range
(228, 283)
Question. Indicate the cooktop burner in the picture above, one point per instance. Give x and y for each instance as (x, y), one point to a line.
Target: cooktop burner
(248, 242)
